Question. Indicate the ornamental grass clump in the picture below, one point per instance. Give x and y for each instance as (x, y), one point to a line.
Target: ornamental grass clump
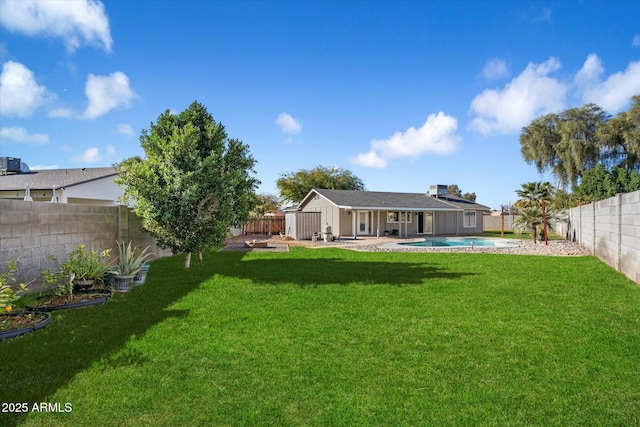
(130, 259)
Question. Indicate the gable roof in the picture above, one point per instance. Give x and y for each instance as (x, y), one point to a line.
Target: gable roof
(61, 178)
(379, 200)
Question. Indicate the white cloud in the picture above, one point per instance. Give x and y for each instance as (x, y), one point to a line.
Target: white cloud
(590, 72)
(370, 159)
(636, 40)
(60, 113)
(106, 93)
(92, 155)
(615, 92)
(527, 96)
(21, 135)
(77, 23)
(288, 124)
(20, 93)
(111, 150)
(437, 135)
(125, 129)
(495, 69)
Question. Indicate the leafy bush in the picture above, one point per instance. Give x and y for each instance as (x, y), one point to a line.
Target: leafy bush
(87, 265)
(7, 294)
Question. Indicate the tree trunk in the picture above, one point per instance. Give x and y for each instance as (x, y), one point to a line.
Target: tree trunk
(187, 260)
(535, 231)
(199, 256)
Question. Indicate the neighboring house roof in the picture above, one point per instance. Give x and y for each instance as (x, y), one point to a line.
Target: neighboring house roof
(463, 203)
(378, 200)
(61, 178)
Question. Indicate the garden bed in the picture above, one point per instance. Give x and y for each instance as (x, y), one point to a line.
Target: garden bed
(78, 299)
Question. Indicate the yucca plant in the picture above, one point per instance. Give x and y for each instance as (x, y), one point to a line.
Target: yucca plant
(129, 260)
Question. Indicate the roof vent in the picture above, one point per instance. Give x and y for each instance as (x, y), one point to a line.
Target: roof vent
(438, 190)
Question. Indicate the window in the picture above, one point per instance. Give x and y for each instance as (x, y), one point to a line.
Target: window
(469, 220)
(398, 216)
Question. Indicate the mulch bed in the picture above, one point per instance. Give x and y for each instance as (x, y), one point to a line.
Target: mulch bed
(20, 321)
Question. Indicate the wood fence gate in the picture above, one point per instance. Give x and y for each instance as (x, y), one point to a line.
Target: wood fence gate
(265, 225)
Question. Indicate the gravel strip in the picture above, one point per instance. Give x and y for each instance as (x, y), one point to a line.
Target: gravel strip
(521, 247)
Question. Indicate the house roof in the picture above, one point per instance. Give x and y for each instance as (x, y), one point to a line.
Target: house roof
(61, 178)
(378, 200)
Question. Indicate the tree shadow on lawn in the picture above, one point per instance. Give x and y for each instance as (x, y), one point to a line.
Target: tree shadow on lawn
(275, 269)
(33, 367)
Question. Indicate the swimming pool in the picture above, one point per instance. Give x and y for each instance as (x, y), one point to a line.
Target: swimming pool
(443, 242)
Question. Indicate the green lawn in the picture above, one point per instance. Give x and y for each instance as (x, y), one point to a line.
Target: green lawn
(333, 337)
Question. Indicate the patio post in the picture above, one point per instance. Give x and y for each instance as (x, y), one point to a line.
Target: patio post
(378, 225)
(354, 228)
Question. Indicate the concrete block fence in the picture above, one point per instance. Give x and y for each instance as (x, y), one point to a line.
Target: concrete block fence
(495, 222)
(31, 231)
(610, 229)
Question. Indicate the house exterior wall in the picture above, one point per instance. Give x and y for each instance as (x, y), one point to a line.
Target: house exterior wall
(101, 191)
(342, 221)
(330, 213)
(447, 223)
(345, 226)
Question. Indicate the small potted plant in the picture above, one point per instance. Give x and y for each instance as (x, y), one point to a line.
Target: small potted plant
(139, 278)
(130, 262)
(88, 266)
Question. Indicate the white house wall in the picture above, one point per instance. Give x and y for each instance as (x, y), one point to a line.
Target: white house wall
(104, 190)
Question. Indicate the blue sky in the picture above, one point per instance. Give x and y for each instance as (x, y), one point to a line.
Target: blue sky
(404, 94)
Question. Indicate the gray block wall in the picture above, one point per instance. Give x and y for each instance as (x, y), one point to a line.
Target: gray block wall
(610, 229)
(31, 231)
(495, 222)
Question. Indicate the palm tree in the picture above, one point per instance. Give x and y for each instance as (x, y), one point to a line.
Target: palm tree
(531, 194)
(531, 220)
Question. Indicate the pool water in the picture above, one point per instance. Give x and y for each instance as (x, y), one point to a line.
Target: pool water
(453, 242)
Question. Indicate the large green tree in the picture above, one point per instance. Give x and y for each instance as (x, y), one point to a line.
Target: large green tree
(294, 186)
(193, 184)
(565, 143)
(573, 142)
(600, 183)
(620, 139)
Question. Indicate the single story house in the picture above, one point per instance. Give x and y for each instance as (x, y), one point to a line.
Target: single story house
(94, 186)
(373, 213)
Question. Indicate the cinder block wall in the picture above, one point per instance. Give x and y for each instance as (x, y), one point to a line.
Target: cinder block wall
(31, 231)
(495, 222)
(630, 235)
(610, 229)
